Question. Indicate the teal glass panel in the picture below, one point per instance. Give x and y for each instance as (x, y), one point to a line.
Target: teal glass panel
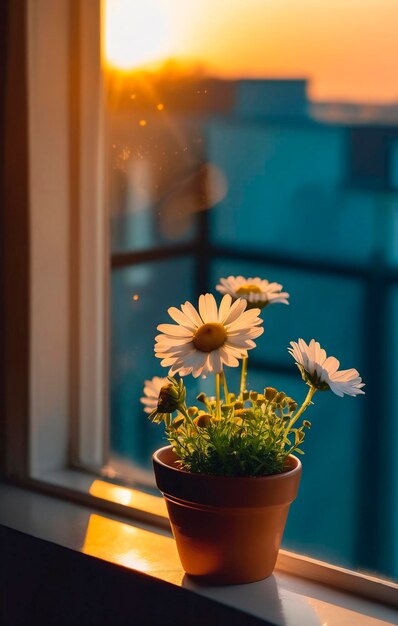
(141, 296)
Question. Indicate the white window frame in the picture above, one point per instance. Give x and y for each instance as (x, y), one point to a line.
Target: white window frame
(69, 276)
(69, 319)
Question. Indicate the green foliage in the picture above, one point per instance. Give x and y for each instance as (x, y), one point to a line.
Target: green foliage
(252, 435)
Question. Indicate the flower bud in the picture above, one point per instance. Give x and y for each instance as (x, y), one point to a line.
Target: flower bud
(231, 397)
(292, 404)
(238, 405)
(279, 397)
(192, 410)
(203, 420)
(253, 395)
(175, 424)
(226, 408)
(167, 401)
(306, 423)
(243, 414)
(201, 397)
(270, 393)
(245, 395)
(171, 396)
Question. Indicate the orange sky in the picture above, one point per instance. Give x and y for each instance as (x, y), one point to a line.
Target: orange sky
(349, 48)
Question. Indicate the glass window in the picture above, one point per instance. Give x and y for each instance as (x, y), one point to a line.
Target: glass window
(140, 296)
(259, 139)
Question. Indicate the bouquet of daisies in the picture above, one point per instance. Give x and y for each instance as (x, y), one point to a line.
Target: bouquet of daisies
(238, 432)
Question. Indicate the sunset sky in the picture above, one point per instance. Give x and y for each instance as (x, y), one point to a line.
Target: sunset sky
(348, 48)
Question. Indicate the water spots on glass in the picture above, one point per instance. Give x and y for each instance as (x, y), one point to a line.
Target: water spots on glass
(133, 96)
(142, 122)
(160, 106)
(122, 158)
(125, 153)
(136, 297)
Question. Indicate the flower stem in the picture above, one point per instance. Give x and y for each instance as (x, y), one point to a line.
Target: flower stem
(224, 382)
(184, 412)
(301, 410)
(218, 402)
(243, 375)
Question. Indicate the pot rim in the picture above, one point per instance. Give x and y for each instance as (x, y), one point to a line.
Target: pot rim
(270, 477)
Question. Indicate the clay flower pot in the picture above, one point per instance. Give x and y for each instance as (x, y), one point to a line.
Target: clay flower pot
(228, 530)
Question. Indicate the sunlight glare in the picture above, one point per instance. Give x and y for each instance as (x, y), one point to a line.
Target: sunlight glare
(136, 33)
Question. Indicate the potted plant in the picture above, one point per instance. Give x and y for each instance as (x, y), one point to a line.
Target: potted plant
(229, 474)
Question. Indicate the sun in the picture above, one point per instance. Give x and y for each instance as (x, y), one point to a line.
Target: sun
(136, 33)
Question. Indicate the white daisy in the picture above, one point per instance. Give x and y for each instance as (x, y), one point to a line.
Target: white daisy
(151, 390)
(256, 291)
(322, 371)
(203, 341)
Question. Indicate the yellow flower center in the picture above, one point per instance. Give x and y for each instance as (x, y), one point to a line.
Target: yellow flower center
(209, 337)
(244, 290)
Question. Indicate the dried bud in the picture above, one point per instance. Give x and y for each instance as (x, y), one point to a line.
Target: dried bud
(253, 395)
(270, 393)
(306, 423)
(245, 395)
(238, 405)
(192, 410)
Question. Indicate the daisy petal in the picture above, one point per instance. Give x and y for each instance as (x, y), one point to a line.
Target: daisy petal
(179, 317)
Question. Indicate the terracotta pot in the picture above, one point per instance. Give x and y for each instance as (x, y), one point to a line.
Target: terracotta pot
(228, 530)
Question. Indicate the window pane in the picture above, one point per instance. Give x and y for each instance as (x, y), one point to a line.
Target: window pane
(156, 178)
(141, 296)
(319, 306)
(295, 177)
(322, 523)
(218, 137)
(392, 383)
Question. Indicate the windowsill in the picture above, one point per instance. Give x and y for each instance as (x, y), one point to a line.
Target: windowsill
(283, 599)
